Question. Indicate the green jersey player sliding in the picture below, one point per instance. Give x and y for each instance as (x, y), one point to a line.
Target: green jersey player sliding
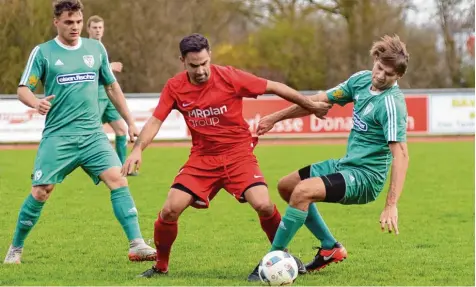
(70, 68)
(376, 142)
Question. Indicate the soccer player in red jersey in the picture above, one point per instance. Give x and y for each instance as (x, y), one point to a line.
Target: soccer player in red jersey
(210, 97)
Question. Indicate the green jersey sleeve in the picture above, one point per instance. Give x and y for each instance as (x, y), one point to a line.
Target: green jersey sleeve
(106, 76)
(344, 92)
(34, 70)
(392, 116)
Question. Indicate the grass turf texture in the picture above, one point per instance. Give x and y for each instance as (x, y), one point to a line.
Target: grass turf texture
(77, 240)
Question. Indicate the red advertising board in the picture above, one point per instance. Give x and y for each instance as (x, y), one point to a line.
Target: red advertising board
(338, 122)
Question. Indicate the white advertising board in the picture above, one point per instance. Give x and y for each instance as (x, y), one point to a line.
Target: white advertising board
(19, 123)
(452, 114)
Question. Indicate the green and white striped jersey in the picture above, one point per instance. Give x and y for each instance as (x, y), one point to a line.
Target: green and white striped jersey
(378, 118)
(73, 75)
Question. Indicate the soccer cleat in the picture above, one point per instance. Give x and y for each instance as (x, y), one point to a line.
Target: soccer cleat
(153, 272)
(325, 257)
(254, 275)
(300, 265)
(142, 252)
(134, 173)
(13, 255)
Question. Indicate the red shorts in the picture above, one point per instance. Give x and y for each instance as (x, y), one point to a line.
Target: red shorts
(203, 176)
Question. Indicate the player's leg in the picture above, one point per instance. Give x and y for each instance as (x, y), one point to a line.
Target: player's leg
(258, 197)
(166, 228)
(327, 188)
(27, 218)
(314, 221)
(55, 159)
(187, 190)
(244, 180)
(113, 118)
(345, 187)
(100, 161)
(269, 217)
(120, 130)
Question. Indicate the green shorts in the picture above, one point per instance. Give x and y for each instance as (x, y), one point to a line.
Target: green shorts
(360, 187)
(107, 111)
(58, 156)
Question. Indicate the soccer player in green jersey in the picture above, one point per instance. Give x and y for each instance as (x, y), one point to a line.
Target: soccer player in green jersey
(107, 111)
(376, 142)
(70, 68)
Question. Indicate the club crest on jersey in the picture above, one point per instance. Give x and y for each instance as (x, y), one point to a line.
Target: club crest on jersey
(368, 109)
(89, 60)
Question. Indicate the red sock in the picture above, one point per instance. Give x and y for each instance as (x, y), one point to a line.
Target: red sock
(164, 236)
(270, 224)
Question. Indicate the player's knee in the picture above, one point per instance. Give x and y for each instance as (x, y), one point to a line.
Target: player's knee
(264, 207)
(285, 188)
(42, 192)
(170, 213)
(119, 181)
(302, 194)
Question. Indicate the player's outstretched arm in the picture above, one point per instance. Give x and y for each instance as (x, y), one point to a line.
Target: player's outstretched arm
(295, 111)
(147, 134)
(389, 216)
(26, 96)
(118, 99)
(291, 95)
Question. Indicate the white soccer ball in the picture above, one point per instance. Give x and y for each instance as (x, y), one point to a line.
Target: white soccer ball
(278, 268)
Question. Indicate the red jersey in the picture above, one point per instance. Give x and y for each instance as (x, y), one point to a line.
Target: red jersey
(213, 111)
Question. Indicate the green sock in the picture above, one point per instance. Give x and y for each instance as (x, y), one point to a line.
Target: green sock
(29, 213)
(315, 223)
(126, 212)
(121, 147)
(290, 224)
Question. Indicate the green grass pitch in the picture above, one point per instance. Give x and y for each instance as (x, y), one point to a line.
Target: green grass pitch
(78, 241)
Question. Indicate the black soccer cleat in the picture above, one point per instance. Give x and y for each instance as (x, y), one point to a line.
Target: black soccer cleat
(153, 272)
(325, 257)
(254, 276)
(301, 268)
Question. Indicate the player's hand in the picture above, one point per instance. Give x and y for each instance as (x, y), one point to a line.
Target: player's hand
(132, 163)
(320, 109)
(389, 219)
(265, 125)
(116, 67)
(133, 132)
(44, 105)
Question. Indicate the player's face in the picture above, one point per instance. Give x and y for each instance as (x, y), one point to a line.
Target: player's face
(197, 65)
(69, 26)
(383, 77)
(96, 30)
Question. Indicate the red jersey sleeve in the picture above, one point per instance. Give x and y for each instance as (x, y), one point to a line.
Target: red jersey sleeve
(246, 84)
(166, 104)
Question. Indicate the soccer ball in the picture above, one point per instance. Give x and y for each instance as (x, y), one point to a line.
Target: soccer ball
(278, 268)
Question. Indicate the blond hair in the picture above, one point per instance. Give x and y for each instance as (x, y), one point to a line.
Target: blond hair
(94, 19)
(391, 51)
